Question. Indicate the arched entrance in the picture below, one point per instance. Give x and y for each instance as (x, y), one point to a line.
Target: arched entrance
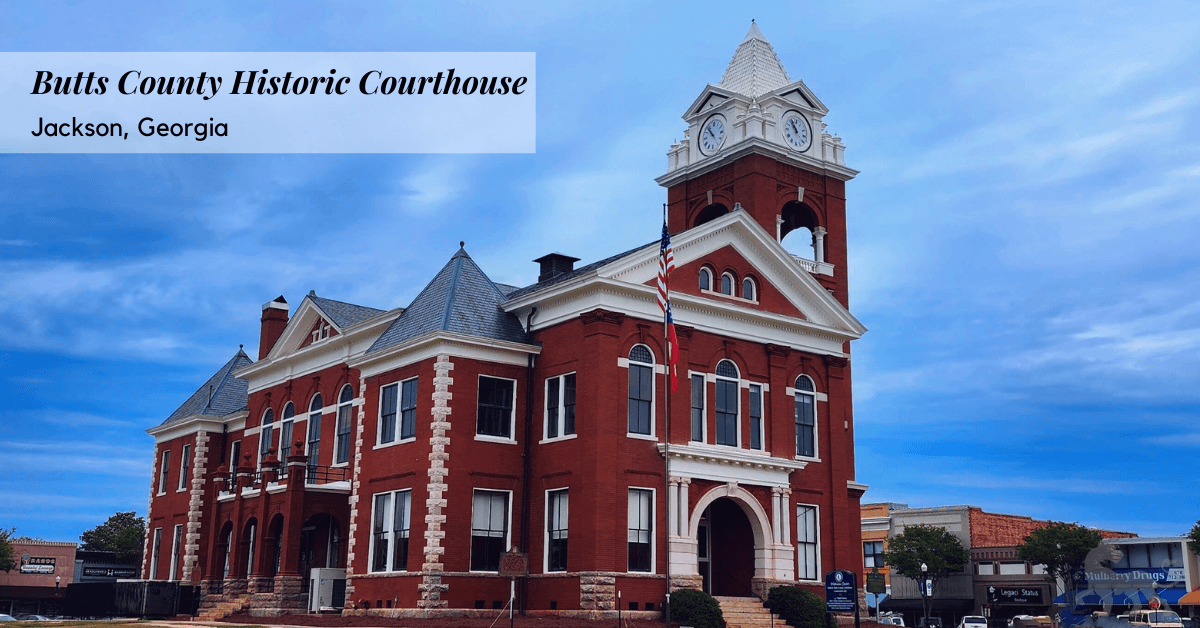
(725, 550)
(733, 536)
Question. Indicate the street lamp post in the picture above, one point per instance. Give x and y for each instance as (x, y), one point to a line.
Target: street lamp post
(925, 592)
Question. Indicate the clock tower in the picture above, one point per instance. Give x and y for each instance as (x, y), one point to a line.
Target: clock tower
(757, 141)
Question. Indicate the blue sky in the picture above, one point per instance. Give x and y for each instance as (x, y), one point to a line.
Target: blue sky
(1022, 236)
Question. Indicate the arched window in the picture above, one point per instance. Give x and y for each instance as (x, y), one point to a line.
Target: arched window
(285, 432)
(748, 291)
(641, 390)
(727, 284)
(727, 403)
(314, 432)
(341, 442)
(705, 279)
(806, 417)
(265, 431)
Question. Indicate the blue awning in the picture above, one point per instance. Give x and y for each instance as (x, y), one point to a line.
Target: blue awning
(1138, 597)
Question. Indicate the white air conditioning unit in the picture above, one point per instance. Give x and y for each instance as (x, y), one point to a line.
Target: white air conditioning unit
(326, 590)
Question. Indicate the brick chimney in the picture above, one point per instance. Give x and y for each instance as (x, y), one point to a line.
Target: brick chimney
(555, 264)
(274, 319)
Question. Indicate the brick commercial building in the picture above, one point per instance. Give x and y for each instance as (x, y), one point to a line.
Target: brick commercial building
(399, 453)
(995, 583)
(38, 583)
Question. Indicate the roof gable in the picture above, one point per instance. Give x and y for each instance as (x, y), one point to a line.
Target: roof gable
(312, 315)
(766, 296)
(461, 299)
(221, 395)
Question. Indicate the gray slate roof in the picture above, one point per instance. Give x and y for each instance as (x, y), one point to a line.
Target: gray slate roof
(222, 394)
(460, 299)
(578, 272)
(755, 68)
(341, 313)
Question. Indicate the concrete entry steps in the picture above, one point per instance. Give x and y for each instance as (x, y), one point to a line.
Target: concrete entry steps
(747, 612)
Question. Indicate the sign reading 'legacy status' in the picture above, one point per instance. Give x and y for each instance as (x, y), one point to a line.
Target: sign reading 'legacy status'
(840, 592)
(1015, 595)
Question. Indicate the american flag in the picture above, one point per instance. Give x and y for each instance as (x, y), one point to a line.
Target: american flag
(666, 264)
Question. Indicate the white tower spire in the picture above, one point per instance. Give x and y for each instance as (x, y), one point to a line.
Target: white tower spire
(754, 69)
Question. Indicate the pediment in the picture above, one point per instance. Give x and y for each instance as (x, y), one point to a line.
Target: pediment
(799, 94)
(308, 326)
(712, 97)
(735, 240)
(761, 294)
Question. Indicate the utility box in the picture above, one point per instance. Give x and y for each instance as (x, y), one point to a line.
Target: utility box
(326, 590)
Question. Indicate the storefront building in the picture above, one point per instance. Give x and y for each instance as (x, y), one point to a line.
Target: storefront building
(38, 584)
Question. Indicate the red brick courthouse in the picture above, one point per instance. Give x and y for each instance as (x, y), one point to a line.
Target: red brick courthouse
(399, 452)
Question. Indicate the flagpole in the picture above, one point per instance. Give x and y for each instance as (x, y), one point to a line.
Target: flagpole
(667, 443)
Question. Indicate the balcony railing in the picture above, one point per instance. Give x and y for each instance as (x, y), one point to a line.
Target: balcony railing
(314, 475)
(814, 267)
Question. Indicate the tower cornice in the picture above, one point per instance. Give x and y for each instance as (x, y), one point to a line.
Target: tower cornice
(755, 146)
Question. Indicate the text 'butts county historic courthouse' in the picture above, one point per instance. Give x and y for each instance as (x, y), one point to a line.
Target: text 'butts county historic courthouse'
(405, 450)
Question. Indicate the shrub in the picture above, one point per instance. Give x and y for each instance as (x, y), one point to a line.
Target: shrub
(799, 607)
(695, 608)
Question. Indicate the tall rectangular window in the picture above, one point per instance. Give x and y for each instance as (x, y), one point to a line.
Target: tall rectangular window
(494, 415)
(314, 441)
(727, 412)
(389, 531)
(285, 441)
(873, 554)
(560, 406)
(806, 422)
(556, 530)
(176, 545)
(408, 409)
(387, 413)
(489, 529)
(342, 440)
(184, 462)
(641, 397)
(808, 558)
(697, 408)
(641, 529)
(164, 467)
(154, 553)
(235, 456)
(756, 422)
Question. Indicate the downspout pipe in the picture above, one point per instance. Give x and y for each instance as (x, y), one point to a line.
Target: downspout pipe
(527, 458)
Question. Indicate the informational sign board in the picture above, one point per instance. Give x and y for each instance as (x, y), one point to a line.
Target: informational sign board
(514, 564)
(1015, 595)
(876, 583)
(841, 592)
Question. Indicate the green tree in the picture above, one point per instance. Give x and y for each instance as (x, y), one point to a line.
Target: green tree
(936, 549)
(124, 534)
(1062, 548)
(1194, 538)
(7, 560)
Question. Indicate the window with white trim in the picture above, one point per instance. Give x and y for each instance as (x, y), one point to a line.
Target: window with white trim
(705, 279)
(265, 431)
(154, 553)
(495, 410)
(314, 432)
(556, 529)
(641, 390)
(698, 395)
(390, 523)
(641, 529)
(727, 284)
(185, 461)
(985, 569)
(341, 441)
(560, 406)
(727, 403)
(489, 529)
(176, 546)
(164, 468)
(748, 291)
(808, 564)
(235, 454)
(398, 409)
(806, 417)
(756, 413)
(285, 431)
(1012, 569)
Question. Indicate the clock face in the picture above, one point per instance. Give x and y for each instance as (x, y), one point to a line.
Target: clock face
(712, 135)
(796, 131)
